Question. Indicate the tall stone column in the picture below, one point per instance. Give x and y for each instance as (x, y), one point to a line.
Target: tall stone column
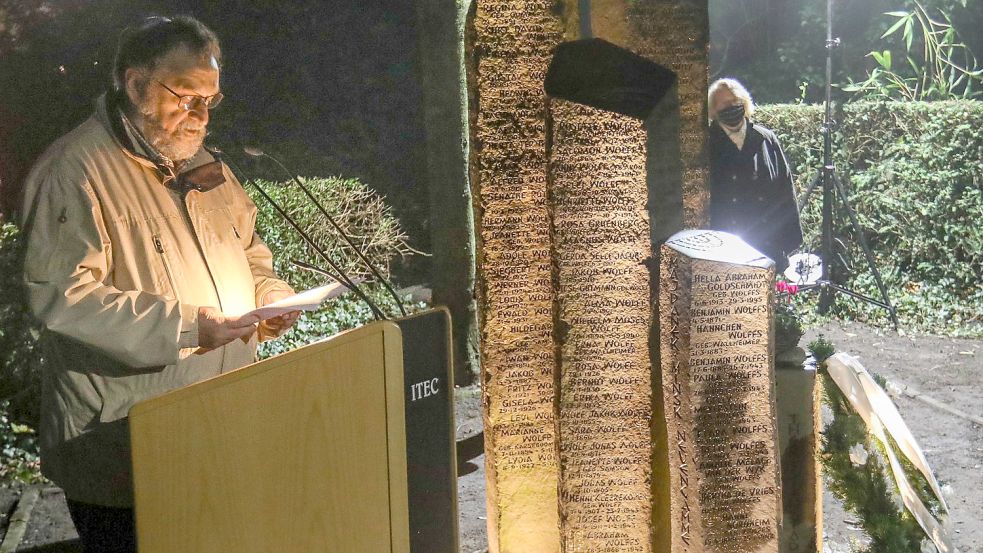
(604, 397)
(510, 45)
(602, 247)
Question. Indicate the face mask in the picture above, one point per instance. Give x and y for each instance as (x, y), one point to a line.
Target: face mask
(731, 116)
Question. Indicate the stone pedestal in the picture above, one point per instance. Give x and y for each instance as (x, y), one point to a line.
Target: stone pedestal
(718, 394)
(797, 441)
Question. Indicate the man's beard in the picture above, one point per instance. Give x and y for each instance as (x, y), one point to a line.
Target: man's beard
(173, 148)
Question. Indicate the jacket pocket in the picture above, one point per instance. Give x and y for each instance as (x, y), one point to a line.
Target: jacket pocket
(170, 285)
(50, 236)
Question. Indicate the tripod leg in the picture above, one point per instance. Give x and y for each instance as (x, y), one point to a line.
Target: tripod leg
(804, 198)
(866, 249)
(861, 297)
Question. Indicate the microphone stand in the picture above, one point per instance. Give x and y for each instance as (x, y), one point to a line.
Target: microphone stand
(256, 152)
(342, 276)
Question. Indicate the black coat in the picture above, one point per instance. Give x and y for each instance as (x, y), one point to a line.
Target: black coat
(751, 192)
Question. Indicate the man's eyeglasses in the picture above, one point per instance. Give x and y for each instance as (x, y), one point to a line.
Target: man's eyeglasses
(194, 101)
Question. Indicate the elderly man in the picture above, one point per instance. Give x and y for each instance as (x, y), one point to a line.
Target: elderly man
(750, 181)
(141, 257)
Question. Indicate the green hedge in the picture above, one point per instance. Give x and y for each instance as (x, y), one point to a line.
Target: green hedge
(914, 174)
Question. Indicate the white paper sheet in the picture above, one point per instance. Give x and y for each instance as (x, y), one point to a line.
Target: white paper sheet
(308, 300)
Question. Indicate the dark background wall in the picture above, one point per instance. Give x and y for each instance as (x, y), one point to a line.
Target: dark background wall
(331, 87)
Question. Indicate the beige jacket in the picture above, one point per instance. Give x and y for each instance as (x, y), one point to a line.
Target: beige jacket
(116, 268)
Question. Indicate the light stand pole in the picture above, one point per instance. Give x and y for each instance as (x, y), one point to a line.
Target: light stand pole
(833, 187)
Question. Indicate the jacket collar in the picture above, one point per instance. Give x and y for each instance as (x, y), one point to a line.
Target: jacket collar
(752, 136)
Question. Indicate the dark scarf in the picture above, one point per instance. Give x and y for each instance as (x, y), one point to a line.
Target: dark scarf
(202, 178)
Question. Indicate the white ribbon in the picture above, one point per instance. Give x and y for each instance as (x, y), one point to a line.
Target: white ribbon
(875, 407)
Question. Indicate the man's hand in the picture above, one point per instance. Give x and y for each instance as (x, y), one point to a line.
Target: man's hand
(215, 329)
(278, 325)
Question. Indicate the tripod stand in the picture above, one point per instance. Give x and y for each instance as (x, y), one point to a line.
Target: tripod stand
(833, 187)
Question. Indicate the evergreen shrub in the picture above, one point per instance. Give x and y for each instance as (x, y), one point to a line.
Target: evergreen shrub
(364, 216)
(913, 172)
(857, 470)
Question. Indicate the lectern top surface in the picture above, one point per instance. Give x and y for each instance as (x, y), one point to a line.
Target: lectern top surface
(714, 245)
(338, 340)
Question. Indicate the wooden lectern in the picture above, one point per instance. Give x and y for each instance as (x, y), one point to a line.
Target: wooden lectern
(304, 452)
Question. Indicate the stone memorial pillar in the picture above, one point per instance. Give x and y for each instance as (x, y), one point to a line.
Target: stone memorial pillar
(718, 394)
(602, 241)
(510, 45)
(570, 202)
(604, 396)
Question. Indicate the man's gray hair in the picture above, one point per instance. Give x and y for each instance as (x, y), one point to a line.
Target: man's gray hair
(735, 88)
(143, 45)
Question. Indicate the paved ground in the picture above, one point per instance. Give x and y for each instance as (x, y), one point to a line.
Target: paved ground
(949, 370)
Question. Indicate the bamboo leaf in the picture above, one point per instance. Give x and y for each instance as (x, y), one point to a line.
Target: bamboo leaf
(883, 58)
(914, 65)
(897, 25)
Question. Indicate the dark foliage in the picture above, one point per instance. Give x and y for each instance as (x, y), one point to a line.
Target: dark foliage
(20, 358)
(330, 87)
(777, 47)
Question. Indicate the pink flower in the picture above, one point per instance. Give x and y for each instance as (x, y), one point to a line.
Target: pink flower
(783, 287)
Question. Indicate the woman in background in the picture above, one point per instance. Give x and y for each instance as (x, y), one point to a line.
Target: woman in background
(750, 181)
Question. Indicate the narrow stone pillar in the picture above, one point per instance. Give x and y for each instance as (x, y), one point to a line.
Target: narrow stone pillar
(510, 44)
(602, 244)
(604, 398)
(718, 385)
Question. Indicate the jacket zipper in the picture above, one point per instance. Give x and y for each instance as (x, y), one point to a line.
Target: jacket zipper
(159, 246)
